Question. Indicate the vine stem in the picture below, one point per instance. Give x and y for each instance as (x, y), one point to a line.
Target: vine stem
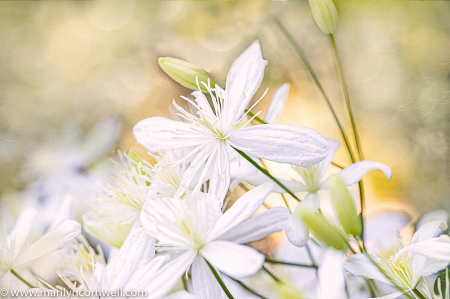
(22, 279)
(247, 288)
(267, 173)
(313, 75)
(353, 123)
(219, 280)
(270, 261)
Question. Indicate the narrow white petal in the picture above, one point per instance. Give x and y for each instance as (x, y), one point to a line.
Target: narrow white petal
(165, 279)
(51, 241)
(234, 260)
(389, 296)
(220, 177)
(136, 252)
(429, 230)
(259, 226)
(355, 172)
(325, 163)
(331, 275)
(204, 284)
(157, 133)
(244, 78)
(282, 143)
(144, 276)
(277, 104)
(360, 265)
(21, 229)
(63, 212)
(181, 295)
(296, 231)
(241, 210)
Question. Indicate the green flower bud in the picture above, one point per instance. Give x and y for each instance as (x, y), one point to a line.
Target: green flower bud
(133, 156)
(325, 14)
(322, 229)
(344, 206)
(185, 73)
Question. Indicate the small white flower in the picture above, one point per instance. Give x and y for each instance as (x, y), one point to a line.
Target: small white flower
(212, 133)
(117, 210)
(314, 180)
(14, 251)
(403, 270)
(194, 229)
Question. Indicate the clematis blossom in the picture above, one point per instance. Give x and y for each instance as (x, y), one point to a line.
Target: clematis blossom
(14, 251)
(314, 180)
(403, 270)
(214, 132)
(194, 231)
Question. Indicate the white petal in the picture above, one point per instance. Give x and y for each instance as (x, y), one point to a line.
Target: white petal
(240, 168)
(360, 265)
(282, 143)
(259, 226)
(432, 216)
(51, 241)
(277, 104)
(63, 212)
(241, 210)
(390, 296)
(296, 231)
(165, 279)
(429, 230)
(204, 284)
(220, 178)
(21, 229)
(145, 275)
(234, 260)
(325, 163)
(244, 78)
(355, 172)
(429, 256)
(331, 275)
(157, 133)
(259, 179)
(136, 252)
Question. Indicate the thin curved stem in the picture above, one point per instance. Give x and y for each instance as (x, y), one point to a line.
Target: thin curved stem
(22, 279)
(219, 280)
(318, 84)
(270, 261)
(271, 274)
(247, 288)
(255, 117)
(267, 173)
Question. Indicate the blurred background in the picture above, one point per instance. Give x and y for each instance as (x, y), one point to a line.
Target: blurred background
(76, 76)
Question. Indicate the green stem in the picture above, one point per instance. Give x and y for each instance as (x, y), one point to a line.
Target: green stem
(267, 173)
(271, 274)
(311, 257)
(346, 98)
(419, 294)
(219, 280)
(247, 288)
(285, 202)
(22, 279)
(289, 264)
(256, 118)
(318, 84)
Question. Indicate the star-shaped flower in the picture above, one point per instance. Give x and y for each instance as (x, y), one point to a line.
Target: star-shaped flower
(215, 131)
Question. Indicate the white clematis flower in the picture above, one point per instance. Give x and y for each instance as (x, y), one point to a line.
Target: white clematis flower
(14, 251)
(194, 230)
(402, 270)
(313, 181)
(213, 133)
(116, 211)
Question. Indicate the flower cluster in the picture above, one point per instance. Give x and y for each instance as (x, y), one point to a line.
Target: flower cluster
(173, 229)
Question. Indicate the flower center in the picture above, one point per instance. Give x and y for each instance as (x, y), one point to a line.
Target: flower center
(400, 271)
(310, 176)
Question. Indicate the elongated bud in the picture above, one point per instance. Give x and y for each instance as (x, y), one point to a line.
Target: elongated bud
(133, 156)
(185, 73)
(322, 229)
(344, 206)
(325, 14)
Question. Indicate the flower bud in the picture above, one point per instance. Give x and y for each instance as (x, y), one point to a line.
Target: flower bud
(322, 229)
(344, 206)
(325, 14)
(133, 156)
(185, 73)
